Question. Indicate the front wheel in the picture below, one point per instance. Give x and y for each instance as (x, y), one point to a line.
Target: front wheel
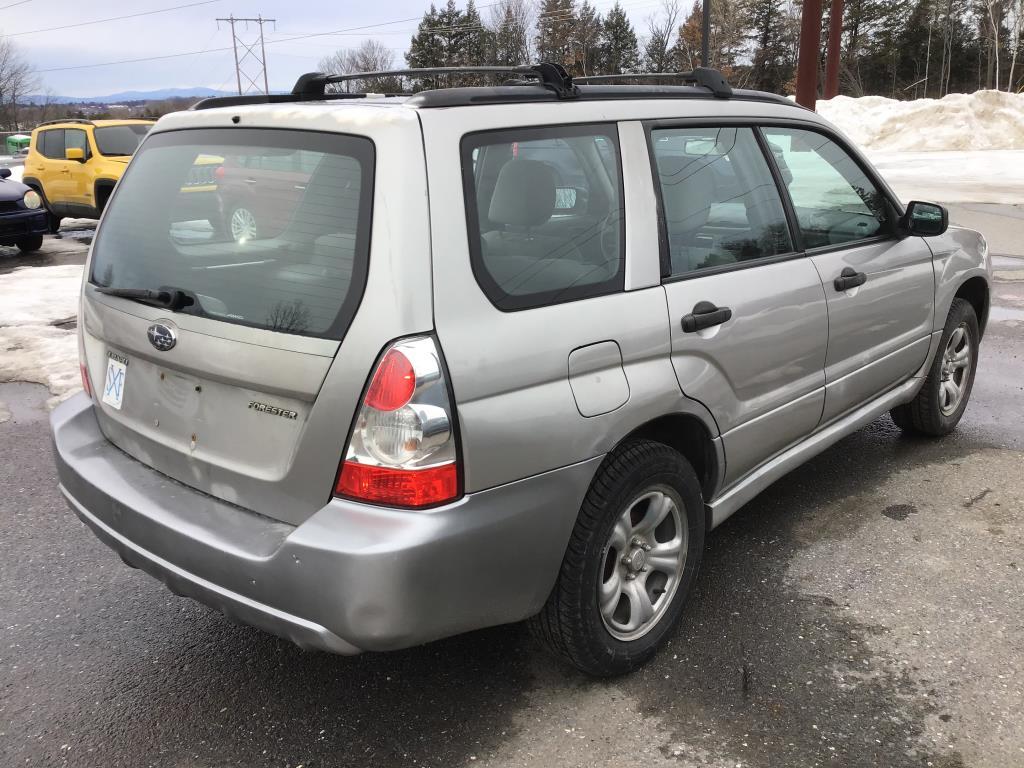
(29, 244)
(631, 562)
(940, 404)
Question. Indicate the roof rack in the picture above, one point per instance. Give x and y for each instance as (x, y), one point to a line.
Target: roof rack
(553, 81)
(704, 77)
(552, 76)
(66, 120)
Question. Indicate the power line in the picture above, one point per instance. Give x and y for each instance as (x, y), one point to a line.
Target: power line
(20, 2)
(104, 21)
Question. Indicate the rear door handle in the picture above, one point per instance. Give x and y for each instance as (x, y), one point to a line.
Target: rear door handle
(849, 278)
(705, 315)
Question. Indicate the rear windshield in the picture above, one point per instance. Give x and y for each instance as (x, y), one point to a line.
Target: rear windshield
(264, 228)
(120, 139)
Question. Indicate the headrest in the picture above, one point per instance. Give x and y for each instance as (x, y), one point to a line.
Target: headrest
(524, 194)
(688, 188)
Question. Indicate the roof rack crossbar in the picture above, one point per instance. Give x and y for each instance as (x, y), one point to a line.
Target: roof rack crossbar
(313, 85)
(704, 77)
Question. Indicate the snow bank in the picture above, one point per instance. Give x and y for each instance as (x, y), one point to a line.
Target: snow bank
(31, 349)
(39, 295)
(993, 176)
(958, 122)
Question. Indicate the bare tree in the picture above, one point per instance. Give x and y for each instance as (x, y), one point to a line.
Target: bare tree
(371, 56)
(661, 26)
(17, 80)
(510, 22)
(1015, 17)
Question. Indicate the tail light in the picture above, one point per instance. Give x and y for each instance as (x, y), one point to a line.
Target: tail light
(402, 450)
(86, 385)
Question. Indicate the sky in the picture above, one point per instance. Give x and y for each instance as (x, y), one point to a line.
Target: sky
(61, 56)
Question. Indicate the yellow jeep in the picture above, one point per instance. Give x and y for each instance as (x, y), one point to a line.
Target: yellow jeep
(74, 164)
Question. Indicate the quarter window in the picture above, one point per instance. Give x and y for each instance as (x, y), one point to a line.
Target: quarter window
(545, 214)
(719, 201)
(834, 199)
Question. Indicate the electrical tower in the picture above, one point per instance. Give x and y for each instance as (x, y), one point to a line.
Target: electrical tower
(252, 64)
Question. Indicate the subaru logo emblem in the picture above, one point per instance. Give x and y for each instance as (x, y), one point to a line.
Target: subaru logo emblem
(162, 337)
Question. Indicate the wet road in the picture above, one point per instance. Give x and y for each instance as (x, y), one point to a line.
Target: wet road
(866, 610)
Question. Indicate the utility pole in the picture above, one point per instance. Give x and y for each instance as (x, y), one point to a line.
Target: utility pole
(810, 45)
(252, 70)
(835, 47)
(705, 35)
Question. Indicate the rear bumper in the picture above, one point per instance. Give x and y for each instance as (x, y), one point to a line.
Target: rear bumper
(352, 577)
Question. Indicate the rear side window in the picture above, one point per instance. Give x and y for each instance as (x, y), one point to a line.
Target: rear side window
(720, 204)
(264, 228)
(51, 143)
(834, 199)
(545, 214)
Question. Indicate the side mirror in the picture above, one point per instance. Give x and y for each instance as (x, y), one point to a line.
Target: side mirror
(5, 173)
(75, 153)
(924, 220)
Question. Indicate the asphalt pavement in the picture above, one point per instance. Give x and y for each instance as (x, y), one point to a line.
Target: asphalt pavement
(866, 610)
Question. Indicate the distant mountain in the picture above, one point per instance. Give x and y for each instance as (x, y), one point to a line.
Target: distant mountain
(123, 96)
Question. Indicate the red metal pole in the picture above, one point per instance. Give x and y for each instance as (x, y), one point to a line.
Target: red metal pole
(810, 50)
(835, 48)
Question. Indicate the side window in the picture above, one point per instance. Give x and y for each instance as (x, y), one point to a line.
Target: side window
(76, 139)
(51, 143)
(835, 201)
(718, 197)
(545, 214)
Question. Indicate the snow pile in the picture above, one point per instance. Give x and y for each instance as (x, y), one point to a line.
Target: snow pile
(958, 122)
(31, 348)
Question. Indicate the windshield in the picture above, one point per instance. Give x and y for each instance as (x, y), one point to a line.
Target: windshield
(120, 139)
(265, 228)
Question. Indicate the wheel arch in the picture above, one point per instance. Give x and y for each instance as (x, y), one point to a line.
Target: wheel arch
(975, 290)
(690, 436)
(102, 189)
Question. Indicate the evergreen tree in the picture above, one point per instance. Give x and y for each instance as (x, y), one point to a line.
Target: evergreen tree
(772, 65)
(426, 49)
(619, 50)
(587, 40)
(555, 22)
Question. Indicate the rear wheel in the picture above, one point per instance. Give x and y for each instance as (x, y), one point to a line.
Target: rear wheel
(939, 406)
(29, 244)
(630, 564)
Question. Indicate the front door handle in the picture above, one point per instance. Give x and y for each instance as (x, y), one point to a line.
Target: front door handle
(705, 315)
(849, 278)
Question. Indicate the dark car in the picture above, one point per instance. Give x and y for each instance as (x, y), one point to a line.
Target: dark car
(22, 215)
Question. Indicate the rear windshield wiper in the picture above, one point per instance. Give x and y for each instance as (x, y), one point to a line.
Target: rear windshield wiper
(166, 298)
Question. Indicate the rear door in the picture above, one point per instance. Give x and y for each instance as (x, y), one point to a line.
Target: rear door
(247, 388)
(747, 312)
(880, 288)
(53, 170)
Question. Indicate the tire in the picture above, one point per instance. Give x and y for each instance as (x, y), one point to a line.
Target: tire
(607, 553)
(30, 244)
(53, 222)
(934, 411)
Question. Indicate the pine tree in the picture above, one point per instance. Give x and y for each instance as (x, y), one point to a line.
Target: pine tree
(472, 42)
(555, 22)
(772, 66)
(619, 50)
(426, 49)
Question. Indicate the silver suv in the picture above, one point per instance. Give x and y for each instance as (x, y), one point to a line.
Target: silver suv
(493, 353)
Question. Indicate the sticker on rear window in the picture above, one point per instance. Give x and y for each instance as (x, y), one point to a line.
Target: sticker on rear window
(113, 388)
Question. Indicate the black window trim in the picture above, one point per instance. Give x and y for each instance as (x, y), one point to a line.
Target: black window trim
(367, 154)
(487, 284)
(796, 236)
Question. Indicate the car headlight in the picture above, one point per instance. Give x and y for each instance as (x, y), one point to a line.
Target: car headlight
(33, 200)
